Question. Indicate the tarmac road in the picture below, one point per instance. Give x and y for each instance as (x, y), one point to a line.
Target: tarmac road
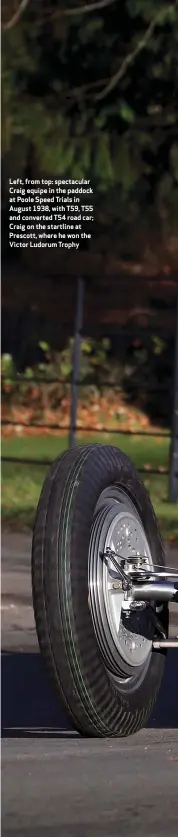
(55, 784)
(77, 788)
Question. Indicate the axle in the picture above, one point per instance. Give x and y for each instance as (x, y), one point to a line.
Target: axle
(157, 591)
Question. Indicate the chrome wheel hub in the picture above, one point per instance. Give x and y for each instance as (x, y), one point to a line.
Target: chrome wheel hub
(124, 638)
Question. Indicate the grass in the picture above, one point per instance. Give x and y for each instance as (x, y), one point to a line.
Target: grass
(22, 483)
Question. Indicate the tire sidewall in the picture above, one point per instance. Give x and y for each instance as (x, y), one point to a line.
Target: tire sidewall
(102, 466)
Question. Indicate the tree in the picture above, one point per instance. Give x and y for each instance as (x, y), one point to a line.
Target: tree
(92, 89)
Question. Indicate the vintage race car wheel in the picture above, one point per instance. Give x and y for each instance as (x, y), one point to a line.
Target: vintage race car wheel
(100, 657)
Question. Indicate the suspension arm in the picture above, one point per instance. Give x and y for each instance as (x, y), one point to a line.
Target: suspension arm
(151, 584)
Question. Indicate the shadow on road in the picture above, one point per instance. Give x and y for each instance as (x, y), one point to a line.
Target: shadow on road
(29, 704)
(31, 708)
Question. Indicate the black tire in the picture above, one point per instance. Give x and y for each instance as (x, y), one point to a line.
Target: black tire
(60, 592)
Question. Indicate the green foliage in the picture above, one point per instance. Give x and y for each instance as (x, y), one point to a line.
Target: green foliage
(103, 371)
(54, 67)
(150, 361)
(7, 367)
(48, 381)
